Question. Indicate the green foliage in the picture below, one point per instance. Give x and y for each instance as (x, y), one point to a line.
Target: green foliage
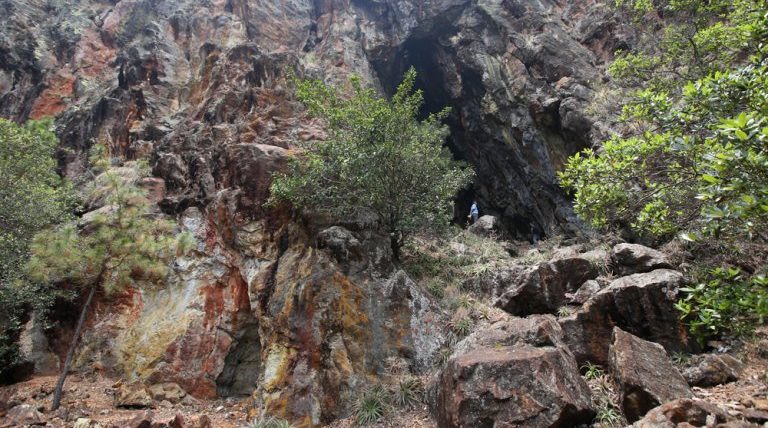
(727, 303)
(462, 327)
(592, 371)
(117, 245)
(698, 38)
(32, 197)
(609, 417)
(270, 422)
(408, 392)
(371, 405)
(436, 288)
(696, 165)
(378, 157)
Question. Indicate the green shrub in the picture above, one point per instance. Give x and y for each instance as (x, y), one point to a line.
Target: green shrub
(728, 303)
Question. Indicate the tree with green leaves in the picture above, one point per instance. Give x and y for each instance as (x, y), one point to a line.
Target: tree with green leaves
(32, 197)
(694, 162)
(378, 157)
(119, 245)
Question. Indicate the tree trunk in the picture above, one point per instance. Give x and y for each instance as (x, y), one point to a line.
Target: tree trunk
(72, 346)
(395, 241)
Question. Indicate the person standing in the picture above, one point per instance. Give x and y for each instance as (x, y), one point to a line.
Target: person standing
(474, 213)
(535, 234)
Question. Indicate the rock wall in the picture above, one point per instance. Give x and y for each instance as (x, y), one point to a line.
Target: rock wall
(200, 88)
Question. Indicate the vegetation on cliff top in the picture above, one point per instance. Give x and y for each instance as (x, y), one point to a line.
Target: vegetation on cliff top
(695, 164)
(378, 157)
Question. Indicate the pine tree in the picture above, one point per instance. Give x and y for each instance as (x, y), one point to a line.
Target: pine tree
(119, 245)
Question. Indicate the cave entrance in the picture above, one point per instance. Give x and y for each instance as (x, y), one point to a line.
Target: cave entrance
(443, 86)
(242, 365)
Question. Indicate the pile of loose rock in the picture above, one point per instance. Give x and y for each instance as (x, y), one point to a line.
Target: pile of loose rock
(616, 310)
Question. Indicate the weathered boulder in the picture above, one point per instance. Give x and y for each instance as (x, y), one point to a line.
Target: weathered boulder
(587, 290)
(34, 348)
(714, 369)
(626, 259)
(133, 396)
(23, 415)
(516, 372)
(167, 391)
(645, 375)
(642, 304)
(543, 288)
(342, 244)
(486, 226)
(683, 413)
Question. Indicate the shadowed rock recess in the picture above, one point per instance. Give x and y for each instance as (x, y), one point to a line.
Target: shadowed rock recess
(298, 314)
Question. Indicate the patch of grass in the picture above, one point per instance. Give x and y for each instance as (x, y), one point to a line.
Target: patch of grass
(564, 311)
(462, 327)
(592, 371)
(408, 392)
(449, 260)
(609, 417)
(681, 358)
(371, 405)
(436, 288)
(443, 356)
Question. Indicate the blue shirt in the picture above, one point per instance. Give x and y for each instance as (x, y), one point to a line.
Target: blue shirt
(473, 209)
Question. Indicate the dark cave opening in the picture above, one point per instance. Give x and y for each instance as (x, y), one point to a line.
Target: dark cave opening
(428, 57)
(242, 365)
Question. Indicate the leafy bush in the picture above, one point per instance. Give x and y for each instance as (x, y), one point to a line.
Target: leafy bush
(693, 162)
(32, 197)
(378, 157)
(728, 303)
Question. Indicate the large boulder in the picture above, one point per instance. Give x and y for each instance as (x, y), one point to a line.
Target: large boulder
(517, 372)
(626, 259)
(133, 396)
(23, 415)
(542, 289)
(645, 375)
(714, 369)
(642, 304)
(34, 348)
(683, 412)
(486, 226)
(169, 391)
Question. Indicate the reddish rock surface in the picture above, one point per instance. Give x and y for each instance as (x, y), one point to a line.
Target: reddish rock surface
(645, 375)
(642, 304)
(514, 373)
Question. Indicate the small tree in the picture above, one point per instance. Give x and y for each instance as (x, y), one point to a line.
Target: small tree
(378, 157)
(32, 197)
(120, 244)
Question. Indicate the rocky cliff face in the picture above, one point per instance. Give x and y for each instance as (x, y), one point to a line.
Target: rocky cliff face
(200, 86)
(298, 312)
